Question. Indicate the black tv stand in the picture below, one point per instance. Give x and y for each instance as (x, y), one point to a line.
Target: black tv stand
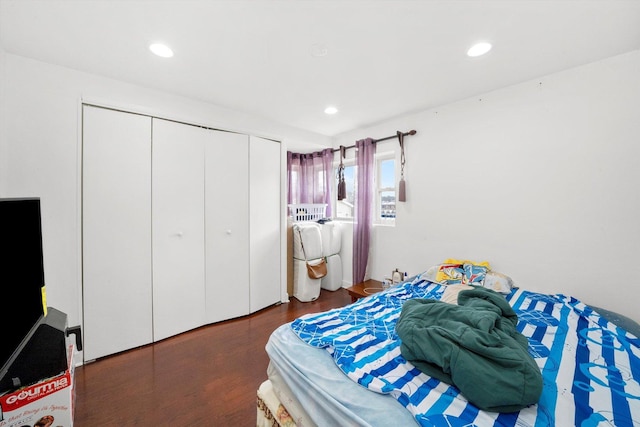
(43, 354)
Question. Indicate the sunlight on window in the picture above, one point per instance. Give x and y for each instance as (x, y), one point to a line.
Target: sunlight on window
(345, 207)
(388, 172)
(385, 192)
(386, 203)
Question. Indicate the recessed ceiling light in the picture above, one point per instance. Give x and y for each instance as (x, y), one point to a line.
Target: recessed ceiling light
(161, 50)
(330, 110)
(479, 49)
(318, 50)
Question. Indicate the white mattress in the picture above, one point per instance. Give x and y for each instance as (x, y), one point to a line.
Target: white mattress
(270, 411)
(333, 280)
(305, 289)
(328, 396)
(311, 238)
(284, 394)
(331, 238)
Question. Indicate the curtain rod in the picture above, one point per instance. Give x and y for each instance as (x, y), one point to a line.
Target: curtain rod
(411, 132)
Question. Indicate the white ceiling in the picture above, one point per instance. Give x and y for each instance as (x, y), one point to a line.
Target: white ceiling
(383, 58)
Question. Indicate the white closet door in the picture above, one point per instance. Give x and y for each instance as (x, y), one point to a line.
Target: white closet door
(264, 214)
(178, 227)
(116, 231)
(227, 225)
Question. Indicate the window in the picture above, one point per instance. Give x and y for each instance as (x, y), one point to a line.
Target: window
(344, 208)
(309, 179)
(385, 190)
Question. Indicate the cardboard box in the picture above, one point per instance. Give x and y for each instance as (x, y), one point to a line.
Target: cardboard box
(49, 403)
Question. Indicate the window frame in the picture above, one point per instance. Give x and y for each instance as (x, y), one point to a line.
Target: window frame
(378, 159)
(347, 163)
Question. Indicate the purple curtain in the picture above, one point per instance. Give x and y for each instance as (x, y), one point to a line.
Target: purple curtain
(363, 216)
(309, 178)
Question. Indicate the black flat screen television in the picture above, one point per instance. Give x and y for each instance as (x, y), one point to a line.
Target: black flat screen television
(21, 273)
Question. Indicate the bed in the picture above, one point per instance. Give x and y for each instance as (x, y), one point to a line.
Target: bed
(345, 367)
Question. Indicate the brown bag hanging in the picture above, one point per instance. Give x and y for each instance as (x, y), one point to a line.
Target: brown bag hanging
(315, 271)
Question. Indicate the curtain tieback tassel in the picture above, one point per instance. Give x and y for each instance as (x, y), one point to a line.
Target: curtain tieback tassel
(402, 193)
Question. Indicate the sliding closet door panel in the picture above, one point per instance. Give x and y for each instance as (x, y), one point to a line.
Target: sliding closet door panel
(264, 214)
(178, 227)
(116, 231)
(227, 225)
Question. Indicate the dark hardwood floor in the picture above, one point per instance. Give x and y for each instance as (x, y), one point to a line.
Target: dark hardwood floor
(208, 376)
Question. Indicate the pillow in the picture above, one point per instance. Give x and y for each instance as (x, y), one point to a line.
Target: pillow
(498, 282)
(450, 294)
(619, 320)
(474, 273)
(466, 261)
(454, 273)
(450, 274)
(430, 274)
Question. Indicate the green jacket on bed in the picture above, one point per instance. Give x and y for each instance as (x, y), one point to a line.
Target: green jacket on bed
(473, 345)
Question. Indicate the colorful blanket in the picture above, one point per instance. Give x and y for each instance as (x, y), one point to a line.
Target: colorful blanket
(590, 367)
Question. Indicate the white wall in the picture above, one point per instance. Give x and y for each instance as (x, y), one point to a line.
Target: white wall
(540, 179)
(40, 150)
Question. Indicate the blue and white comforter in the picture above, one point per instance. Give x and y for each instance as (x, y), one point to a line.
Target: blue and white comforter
(590, 367)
